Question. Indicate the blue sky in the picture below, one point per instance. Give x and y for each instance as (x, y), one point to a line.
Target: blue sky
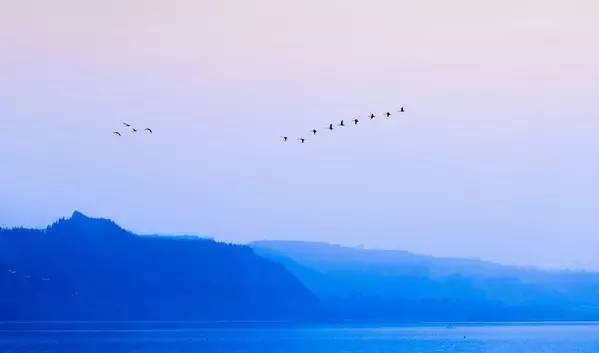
(496, 157)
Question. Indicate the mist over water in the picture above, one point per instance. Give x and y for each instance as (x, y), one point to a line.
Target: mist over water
(393, 235)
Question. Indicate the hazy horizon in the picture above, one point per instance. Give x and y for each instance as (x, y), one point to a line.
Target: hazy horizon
(314, 242)
(495, 157)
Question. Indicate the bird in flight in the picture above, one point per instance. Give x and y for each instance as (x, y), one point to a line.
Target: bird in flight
(127, 125)
(388, 114)
(330, 126)
(149, 130)
(284, 138)
(116, 133)
(401, 110)
(341, 123)
(371, 116)
(356, 121)
(314, 131)
(302, 139)
(133, 130)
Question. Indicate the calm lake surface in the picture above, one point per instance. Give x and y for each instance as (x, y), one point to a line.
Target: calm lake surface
(260, 338)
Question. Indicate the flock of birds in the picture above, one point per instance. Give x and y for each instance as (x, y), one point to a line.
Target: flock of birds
(14, 273)
(31, 278)
(331, 126)
(133, 130)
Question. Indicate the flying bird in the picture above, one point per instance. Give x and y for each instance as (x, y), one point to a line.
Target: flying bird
(371, 116)
(356, 121)
(116, 133)
(330, 126)
(341, 123)
(401, 110)
(314, 131)
(127, 125)
(284, 138)
(149, 130)
(133, 130)
(302, 139)
(388, 114)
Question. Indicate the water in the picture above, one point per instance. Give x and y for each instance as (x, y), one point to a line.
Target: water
(273, 338)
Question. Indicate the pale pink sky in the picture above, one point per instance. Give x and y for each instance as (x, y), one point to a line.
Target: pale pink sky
(497, 157)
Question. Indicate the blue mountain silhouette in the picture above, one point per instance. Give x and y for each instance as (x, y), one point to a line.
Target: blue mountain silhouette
(366, 285)
(83, 268)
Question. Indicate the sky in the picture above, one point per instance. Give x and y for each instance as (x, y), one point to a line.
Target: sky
(495, 158)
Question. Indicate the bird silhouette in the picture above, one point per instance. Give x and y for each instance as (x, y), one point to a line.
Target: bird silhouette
(284, 138)
(127, 125)
(116, 133)
(341, 123)
(314, 131)
(302, 139)
(356, 121)
(330, 126)
(401, 110)
(388, 114)
(149, 130)
(134, 130)
(371, 116)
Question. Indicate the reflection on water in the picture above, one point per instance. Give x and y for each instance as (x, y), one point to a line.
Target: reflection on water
(274, 338)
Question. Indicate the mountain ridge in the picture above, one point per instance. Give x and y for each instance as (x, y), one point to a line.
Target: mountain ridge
(359, 284)
(83, 268)
(416, 255)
